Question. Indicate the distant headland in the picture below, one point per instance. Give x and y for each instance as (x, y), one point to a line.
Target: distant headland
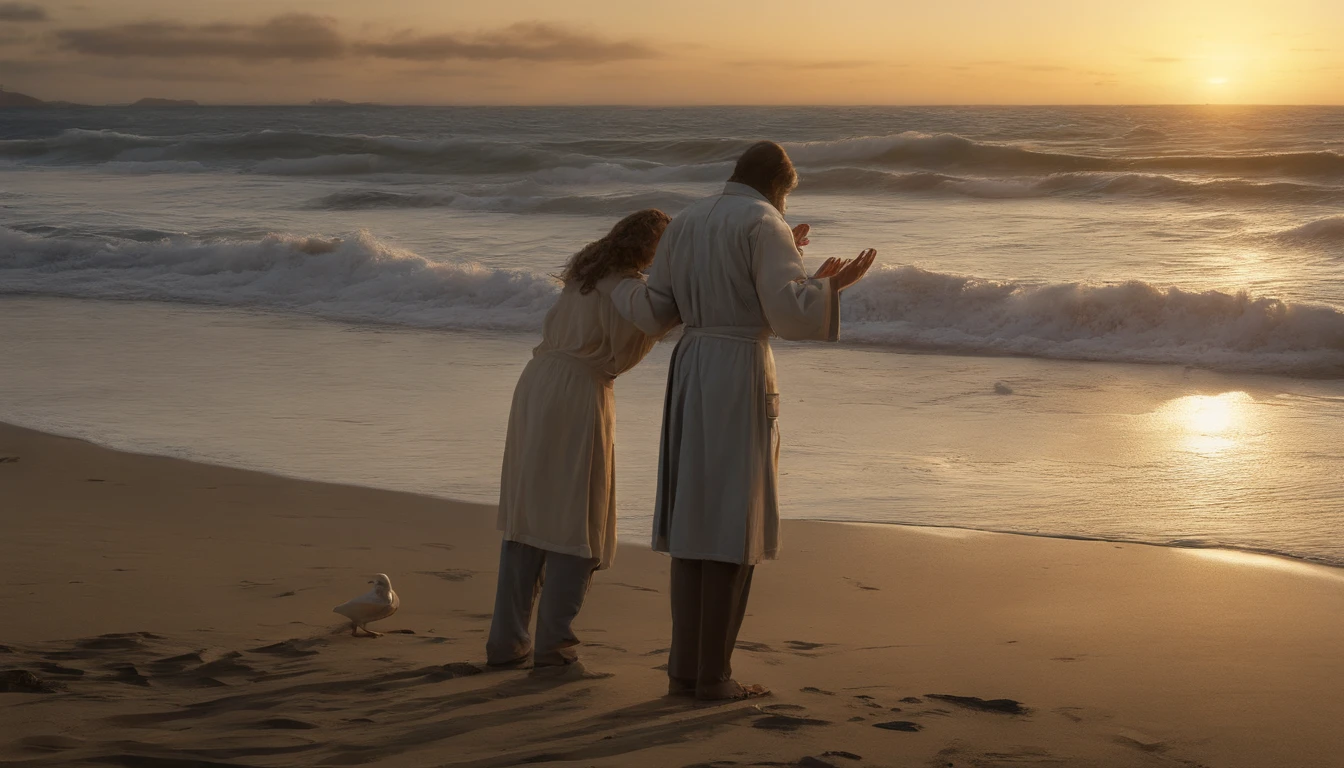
(16, 99)
(341, 103)
(150, 102)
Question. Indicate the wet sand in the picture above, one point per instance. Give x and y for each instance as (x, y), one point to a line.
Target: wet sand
(166, 613)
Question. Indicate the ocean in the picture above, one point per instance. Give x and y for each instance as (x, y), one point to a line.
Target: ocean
(1106, 322)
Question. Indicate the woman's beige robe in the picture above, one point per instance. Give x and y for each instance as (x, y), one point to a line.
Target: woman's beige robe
(558, 490)
(729, 269)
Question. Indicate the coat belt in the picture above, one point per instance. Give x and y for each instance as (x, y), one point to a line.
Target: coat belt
(741, 333)
(599, 378)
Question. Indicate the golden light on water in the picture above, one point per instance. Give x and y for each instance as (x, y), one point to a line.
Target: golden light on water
(1208, 424)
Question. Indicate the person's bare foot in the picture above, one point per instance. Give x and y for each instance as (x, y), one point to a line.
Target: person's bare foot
(730, 690)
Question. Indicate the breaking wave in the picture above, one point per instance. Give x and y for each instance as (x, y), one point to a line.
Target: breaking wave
(361, 278)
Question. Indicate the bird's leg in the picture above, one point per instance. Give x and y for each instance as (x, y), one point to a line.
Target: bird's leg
(372, 633)
(354, 629)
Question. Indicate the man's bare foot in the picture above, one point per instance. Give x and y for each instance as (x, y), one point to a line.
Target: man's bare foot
(729, 690)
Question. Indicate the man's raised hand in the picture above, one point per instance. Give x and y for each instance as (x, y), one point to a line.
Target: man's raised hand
(800, 235)
(852, 272)
(829, 267)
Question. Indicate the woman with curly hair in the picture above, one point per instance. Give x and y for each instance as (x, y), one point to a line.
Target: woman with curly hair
(557, 498)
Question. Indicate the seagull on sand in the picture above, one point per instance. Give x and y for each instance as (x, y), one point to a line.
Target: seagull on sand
(374, 605)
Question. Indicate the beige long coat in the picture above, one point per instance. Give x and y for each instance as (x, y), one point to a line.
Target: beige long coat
(558, 489)
(728, 268)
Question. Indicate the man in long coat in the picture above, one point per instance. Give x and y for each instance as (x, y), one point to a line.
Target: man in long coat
(730, 269)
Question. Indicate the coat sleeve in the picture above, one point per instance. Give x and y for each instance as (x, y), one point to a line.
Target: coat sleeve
(646, 303)
(797, 308)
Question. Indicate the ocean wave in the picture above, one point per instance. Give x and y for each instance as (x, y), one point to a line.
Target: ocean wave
(594, 205)
(362, 278)
(287, 153)
(1328, 231)
(950, 151)
(358, 278)
(650, 161)
(1134, 321)
(867, 180)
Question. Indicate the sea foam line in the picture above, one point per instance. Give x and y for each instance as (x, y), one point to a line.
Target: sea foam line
(364, 279)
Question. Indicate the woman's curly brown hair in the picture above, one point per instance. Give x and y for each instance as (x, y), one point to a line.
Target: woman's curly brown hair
(626, 249)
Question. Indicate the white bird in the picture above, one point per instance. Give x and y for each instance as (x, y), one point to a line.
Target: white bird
(374, 605)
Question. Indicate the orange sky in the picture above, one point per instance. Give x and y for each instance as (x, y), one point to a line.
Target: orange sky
(686, 52)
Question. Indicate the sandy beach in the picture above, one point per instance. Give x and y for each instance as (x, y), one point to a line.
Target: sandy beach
(178, 614)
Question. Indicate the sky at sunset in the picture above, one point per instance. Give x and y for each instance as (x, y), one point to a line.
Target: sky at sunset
(684, 52)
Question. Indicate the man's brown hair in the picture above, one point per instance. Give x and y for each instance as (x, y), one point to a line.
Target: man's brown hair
(766, 168)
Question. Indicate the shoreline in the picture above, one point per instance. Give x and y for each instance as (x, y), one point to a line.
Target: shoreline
(181, 612)
(1332, 569)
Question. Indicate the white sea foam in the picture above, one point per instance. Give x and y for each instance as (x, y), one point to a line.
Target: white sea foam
(359, 278)
(1131, 322)
(362, 278)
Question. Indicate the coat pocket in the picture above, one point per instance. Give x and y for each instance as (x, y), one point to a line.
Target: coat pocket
(772, 406)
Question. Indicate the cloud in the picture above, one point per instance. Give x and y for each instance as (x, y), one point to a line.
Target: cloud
(22, 12)
(527, 41)
(306, 37)
(121, 70)
(294, 36)
(804, 64)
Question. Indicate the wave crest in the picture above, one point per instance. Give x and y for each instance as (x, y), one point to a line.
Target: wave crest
(361, 278)
(1128, 322)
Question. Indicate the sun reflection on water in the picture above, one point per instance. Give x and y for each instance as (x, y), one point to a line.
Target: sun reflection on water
(1208, 424)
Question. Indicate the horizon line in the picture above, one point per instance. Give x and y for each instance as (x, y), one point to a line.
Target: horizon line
(66, 104)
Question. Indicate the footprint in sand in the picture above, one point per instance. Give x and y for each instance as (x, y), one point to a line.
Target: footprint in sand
(288, 649)
(283, 724)
(1001, 706)
(452, 574)
(786, 723)
(23, 681)
(900, 725)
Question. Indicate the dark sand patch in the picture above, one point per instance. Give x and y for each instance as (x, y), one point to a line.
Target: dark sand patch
(451, 574)
(786, 722)
(1001, 706)
(906, 726)
(23, 681)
